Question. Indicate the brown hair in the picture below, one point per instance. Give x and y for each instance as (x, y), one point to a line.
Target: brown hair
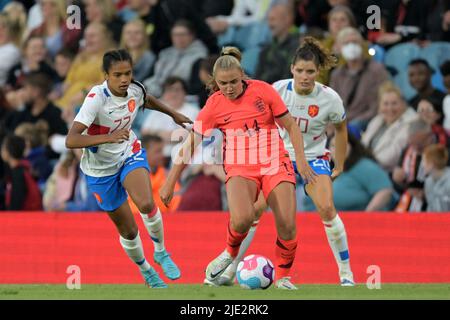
(312, 50)
(437, 154)
(230, 57)
(35, 134)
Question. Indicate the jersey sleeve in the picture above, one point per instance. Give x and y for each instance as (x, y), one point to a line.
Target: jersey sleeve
(206, 120)
(337, 114)
(89, 109)
(277, 104)
(142, 93)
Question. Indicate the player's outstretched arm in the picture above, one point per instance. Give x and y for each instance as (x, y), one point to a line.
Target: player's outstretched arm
(341, 149)
(308, 175)
(154, 104)
(75, 139)
(183, 158)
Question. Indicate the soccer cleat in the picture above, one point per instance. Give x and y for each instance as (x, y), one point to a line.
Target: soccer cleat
(169, 267)
(228, 276)
(152, 279)
(347, 279)
(218, 265)
(285, 284)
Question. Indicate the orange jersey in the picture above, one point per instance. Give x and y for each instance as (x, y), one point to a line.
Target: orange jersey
(251, 138)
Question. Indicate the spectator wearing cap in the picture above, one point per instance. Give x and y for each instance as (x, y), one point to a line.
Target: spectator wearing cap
(419, 73)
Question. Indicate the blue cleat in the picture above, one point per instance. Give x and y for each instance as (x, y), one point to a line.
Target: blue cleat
(169, 267)
(152, 279)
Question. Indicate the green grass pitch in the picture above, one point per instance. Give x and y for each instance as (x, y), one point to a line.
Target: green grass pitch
(200, 292)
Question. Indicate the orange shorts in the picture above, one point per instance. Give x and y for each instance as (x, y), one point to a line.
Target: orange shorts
(266, 178)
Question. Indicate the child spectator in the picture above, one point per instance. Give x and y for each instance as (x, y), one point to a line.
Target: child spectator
(22, 192)
(437, 184)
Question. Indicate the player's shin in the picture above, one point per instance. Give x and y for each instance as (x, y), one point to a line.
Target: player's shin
(234, 241)
(134, 250)
(285, 255)
(337, 238)
(244, 245)
(154, 224)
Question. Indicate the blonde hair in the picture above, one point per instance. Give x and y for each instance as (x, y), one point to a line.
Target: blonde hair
(35, 135)
(18, 18)
(61, 7)
(345, 32)
(145, 44)
(388, 87)
(230, 58)
(108, 10)
(437, 154)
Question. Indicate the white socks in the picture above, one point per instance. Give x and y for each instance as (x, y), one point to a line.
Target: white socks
(134, 250)
(155, 228)
(337, 238)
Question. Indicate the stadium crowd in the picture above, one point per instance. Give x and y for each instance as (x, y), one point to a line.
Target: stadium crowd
(394, 82)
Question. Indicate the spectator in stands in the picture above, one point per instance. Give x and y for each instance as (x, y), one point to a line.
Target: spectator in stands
(403, 20)
(38, 106)
(339, 18)
(177, 60)
(364, 185)
(67, 189)
(437, 184)
(36, 140)
(59, 187)
(445, 70)
(54, 28)
(438, 20)
(34, 56)
(213, 8)
(155, 158)
(63, 62)
(135, 40)
(157, 123)
(419, 73)
(22, 192)
(104, 11)
(430, 111)
(18, 17)
(9, 52)
(203, 181)
(85, 70)
(358, 80)
(161, 15)
(387, 133)
(312, 14)
(409, 176)
(244, 12)
(275, 58)
(204, 74)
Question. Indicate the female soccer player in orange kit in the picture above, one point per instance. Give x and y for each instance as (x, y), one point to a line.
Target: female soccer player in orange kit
(254, 160)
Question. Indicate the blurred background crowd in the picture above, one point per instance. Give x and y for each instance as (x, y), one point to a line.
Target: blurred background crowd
(394, 81)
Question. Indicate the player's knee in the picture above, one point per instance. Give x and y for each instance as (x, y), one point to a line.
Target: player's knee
(243, 224)
(146, 206)
(129, 233)
(326, 209)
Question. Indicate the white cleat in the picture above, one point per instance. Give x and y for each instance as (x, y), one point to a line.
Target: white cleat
(285, 284)
(218, 265)
(228, 276)
(347, 279)
(209, 283)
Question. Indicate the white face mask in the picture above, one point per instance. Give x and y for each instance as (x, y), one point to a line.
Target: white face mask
(351, 51)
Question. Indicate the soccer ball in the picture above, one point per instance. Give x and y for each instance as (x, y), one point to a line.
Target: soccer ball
(255, 272)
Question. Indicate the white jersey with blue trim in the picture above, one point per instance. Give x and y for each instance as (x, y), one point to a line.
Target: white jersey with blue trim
(104, 113)
(312, 114)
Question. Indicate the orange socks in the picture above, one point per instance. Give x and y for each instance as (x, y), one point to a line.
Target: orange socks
(234, 240)
(285, 255)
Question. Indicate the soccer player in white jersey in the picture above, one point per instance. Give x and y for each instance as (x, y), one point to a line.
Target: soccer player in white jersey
(115, 163)
(313, 106)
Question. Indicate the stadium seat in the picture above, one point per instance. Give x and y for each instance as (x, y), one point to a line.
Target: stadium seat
(246, 37)
(250, 58)
(399, 56)
(402, 81)
(436, 54)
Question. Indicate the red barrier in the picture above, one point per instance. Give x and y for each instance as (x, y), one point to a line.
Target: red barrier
(38, 247)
